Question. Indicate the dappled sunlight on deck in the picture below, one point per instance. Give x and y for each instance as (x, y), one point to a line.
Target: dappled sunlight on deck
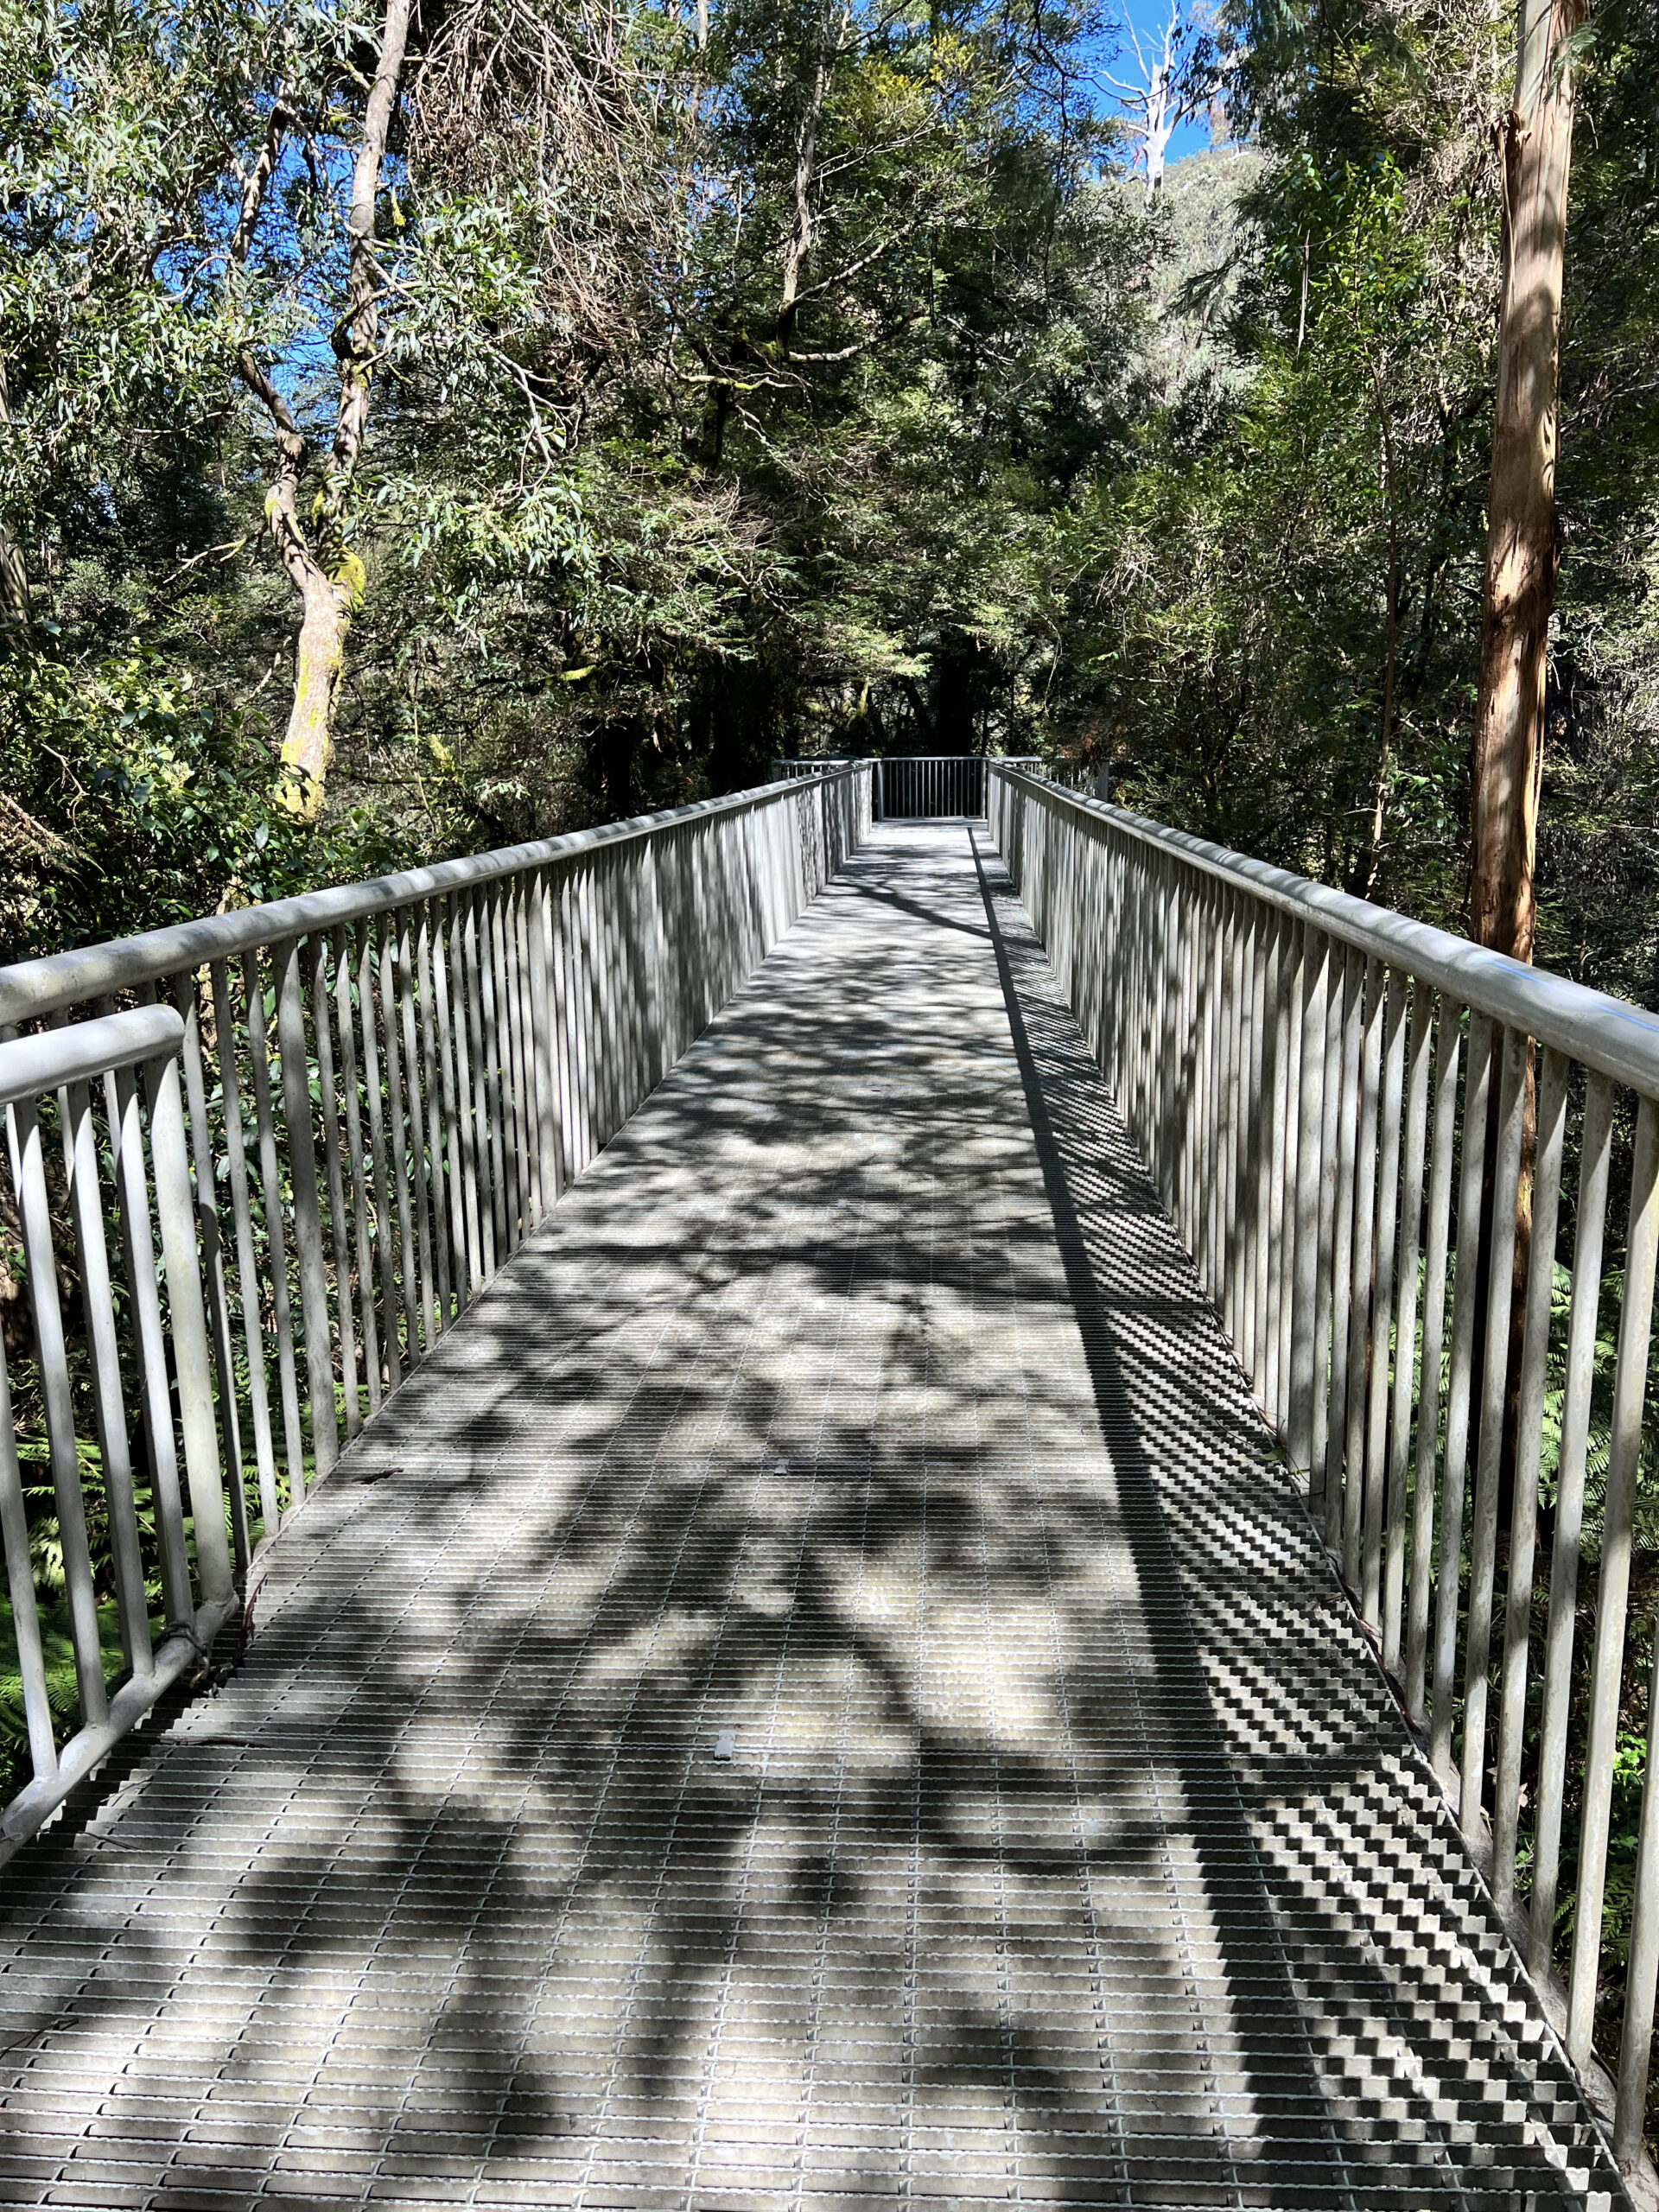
(817, 1694)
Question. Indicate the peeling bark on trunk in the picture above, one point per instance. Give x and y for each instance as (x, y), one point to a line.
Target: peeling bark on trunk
(1536, 145)
(323, 570)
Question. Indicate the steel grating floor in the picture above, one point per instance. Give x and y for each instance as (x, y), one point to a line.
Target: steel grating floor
(815, 1697)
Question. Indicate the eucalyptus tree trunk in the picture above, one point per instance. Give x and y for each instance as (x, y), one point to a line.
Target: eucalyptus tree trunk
(1536, 146)
(327, 576)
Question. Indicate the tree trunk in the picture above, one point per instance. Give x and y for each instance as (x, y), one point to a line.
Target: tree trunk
(319, 660)
(799, 243)
(324, 570)
(16, 613)
(1536, 145)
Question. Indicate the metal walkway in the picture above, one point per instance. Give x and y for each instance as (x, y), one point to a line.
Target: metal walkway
(816, 1695)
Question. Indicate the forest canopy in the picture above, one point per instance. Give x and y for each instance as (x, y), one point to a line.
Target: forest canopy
(426, 424)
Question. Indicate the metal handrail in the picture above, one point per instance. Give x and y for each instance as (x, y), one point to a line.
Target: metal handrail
(197, 1589)
(35, 988)
(1609, 1034)
(1336, 1105)
(359, 1103)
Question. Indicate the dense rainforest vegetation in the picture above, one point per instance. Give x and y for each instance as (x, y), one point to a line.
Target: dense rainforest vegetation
(518, 414)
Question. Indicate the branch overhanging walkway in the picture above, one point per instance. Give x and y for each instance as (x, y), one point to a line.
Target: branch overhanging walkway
(817, 1694)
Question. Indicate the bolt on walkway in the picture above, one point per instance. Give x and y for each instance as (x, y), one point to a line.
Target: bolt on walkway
(818, 1696)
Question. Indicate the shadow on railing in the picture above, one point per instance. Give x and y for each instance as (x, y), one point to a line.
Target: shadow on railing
(1310, 1079)
(358, 1104)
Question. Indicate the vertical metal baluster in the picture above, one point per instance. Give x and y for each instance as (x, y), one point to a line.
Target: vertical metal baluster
(613, 1045)
(1321, 1484)
(186, 997)
(506, 1022)
(34, 1210)
(524, 1124)
(1184, 1072)
(523, 1058)
(590, 1042)
(1339, 1477)
(391, 929)
(1146, 1028)
(1233, 1108)
(542, 1035)
(1595, 1159)
(498, 1083)
(247, 1272)
(410, 1103)
(369, 959)
(271, 1190)
(1207, 1149)
(1359, 1307)
(20, 1584)
(1174, 1072)
(1215, 1142)
(317, 950)
(434, 1180)
(1316, 965)
(1219, 1041)
(294, 1061)
(1448, 1576)
(175, 1215)
(1267, 997)
(662, 1052)
(109, 1399)
(349, 1081)
(1111, 955)
(1287, 1136)
(1257, 1168)
(1636, 2037)
(1524, 1517)
(1405, 1330)
(1483, 1549)
(1210, 1133)
(125, 1119)
(489, 1194)
(441, 930)
(1386, 1235)
(1287, 1052)
(1447, 1050)
(1148, 1042)
(670, 853)
(451, 980)
(1612, 1587)
(1130, 999)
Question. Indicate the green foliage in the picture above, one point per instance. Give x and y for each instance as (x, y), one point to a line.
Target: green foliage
(133, 801)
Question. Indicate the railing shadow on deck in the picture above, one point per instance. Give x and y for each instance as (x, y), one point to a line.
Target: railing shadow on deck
(811, 1494)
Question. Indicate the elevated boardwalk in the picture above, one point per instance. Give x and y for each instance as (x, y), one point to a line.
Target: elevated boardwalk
(817, 1695)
